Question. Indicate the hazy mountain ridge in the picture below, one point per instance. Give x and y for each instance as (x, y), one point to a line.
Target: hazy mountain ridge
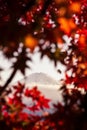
(46, 84)
(40, 78)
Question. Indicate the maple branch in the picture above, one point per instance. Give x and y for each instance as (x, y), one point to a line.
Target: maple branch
(20, 64)
(8, 81)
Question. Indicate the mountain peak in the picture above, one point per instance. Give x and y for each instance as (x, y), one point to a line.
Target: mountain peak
(40, 78)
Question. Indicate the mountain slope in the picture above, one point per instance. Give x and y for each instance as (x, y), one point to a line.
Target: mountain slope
(40, 78)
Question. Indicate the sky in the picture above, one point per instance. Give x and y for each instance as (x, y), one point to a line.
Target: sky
(38, 65)
(46, 66)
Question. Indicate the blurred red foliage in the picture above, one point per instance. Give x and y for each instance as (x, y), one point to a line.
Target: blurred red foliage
(26, 25)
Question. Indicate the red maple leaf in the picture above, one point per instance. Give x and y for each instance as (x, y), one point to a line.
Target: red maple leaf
(34, 108)
(33, 93)
(43, 102)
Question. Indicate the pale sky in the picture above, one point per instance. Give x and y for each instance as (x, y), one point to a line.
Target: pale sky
(44, 65)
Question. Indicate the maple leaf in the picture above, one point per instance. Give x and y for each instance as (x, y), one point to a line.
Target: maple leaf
(19, 88)
(34, 108)
(67, 25)
(23, 116)
(43, 102)
(33, 93)
(30, 42)
(20, 64)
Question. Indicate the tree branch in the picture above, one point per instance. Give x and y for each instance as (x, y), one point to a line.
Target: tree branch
(8, 81)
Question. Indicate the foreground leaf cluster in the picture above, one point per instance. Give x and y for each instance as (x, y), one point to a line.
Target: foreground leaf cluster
(56, 29)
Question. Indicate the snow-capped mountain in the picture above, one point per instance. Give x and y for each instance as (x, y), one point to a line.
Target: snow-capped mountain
(46, 84)
(40, 78)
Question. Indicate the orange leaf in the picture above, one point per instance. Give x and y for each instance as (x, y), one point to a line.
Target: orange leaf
(82, 42)
(75, 6)
(67, 25)
(30, 42)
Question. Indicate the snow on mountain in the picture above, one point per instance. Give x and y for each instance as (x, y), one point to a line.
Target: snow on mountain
(46, 84)
(40, 78)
